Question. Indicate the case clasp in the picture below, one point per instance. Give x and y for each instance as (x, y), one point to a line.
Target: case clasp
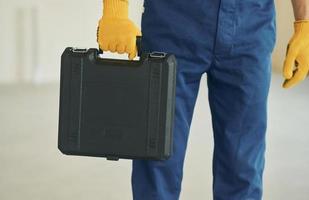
(157, 54)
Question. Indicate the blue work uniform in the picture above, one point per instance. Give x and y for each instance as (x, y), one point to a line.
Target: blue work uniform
(232, 42)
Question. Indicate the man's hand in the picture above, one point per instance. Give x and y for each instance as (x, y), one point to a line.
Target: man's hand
(296, 64)
(116, 33)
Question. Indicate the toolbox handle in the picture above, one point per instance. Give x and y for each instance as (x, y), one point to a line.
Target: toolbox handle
(138, 44)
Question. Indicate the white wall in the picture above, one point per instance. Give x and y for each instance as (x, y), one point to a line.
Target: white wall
(285, 19)
(33, 34)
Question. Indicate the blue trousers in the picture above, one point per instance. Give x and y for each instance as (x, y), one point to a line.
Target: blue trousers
(231, 41)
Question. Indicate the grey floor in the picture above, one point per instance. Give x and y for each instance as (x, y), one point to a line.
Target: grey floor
(32, 168)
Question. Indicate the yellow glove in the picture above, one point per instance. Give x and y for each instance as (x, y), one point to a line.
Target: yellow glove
(296, 64)
(116, 33)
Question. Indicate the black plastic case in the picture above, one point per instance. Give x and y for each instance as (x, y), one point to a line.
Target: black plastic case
(117, 108)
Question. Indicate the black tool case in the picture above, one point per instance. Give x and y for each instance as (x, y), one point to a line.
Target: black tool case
(117, 108)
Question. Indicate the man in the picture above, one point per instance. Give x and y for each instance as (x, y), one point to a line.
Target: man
(231, 41)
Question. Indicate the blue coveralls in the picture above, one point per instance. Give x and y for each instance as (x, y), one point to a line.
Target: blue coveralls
(231, 41)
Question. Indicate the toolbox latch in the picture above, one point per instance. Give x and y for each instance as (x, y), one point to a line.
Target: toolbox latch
(79, 50)
(157, 54)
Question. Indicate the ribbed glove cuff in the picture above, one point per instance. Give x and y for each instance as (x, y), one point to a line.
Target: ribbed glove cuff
(116, 9)
(301, 25)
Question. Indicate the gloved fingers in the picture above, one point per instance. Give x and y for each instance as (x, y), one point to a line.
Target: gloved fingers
(121, 47)
(289, 62)
(133, 54)
(112, 46)
(298, 75)
(118, 35)
(104, 46)
(118, 46)
(131, 48)
(104, 43)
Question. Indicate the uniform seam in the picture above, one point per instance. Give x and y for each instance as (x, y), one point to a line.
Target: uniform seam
(212, 64)
(216, 32)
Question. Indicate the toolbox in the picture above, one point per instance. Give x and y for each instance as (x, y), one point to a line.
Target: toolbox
(117, 109)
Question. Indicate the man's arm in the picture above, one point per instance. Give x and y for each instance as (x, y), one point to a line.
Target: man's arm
(301, 9)
(296, 64)
(116, 32)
